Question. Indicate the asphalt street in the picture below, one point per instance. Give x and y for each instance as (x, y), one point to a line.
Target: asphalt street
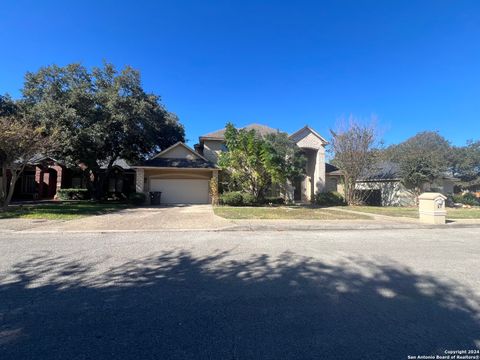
(356, 294)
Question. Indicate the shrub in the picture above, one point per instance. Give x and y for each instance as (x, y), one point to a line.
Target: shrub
(329, 199)
(457, 198)
(233, 198)
(470, 199)
(73, 194)
(274, 200)
(137, 198)
(249, 199)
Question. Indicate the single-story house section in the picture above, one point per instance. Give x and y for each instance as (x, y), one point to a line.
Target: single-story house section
(383, 186)
(44, 176)
(180, 173)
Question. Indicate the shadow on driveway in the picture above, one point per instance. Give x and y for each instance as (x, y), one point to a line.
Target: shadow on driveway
(177, 306)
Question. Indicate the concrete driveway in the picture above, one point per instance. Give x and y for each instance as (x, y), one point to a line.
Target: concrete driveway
(382, 294)
(145, 218)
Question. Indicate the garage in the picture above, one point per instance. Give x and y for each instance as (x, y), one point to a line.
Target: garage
(182, 191)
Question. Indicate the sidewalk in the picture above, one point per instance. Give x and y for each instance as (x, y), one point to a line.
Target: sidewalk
(385, 223)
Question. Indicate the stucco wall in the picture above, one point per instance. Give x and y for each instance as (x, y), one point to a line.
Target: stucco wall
(179, 152)
(211, 149)
(332, 183)
(393, 193)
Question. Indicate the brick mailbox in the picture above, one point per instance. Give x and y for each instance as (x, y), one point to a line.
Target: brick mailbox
(432, 208)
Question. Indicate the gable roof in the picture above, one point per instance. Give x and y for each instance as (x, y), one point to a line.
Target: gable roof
(188, 148)
(159, 161)
(177, 163)
(297, 135)
(259, 128)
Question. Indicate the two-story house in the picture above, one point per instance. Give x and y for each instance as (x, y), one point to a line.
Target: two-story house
(183, 174)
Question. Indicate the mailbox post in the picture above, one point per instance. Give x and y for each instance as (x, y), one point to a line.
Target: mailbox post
(432, 208)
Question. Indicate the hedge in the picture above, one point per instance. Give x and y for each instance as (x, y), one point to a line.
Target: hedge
(329, 199)
(237, 198)
(73, 194)
(233, 198)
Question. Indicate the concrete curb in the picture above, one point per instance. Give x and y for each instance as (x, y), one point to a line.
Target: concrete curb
(256, 228)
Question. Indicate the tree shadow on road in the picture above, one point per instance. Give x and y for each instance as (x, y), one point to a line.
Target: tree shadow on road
(175, 305)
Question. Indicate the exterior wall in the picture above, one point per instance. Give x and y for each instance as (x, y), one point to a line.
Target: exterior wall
(443, 186)
(140, 180)
(309, 141)
(211, 149)
(179, 152)
(332, 183)
(393, 193)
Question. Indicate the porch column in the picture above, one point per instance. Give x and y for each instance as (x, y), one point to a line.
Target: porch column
(319, 173)
(59, 171)
(39, 181)
(139, 180)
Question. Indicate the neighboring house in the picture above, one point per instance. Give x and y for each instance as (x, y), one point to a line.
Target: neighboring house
(183, 174)
(44, 176)
(383, 186)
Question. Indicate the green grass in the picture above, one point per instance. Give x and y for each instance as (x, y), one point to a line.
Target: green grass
(284, 212)
(60, 211)
(473, 213)
(412, 212)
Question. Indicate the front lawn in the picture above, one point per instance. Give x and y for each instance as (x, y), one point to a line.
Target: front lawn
(412, 212)
(60, 211)
(284, 212)
(473, 213)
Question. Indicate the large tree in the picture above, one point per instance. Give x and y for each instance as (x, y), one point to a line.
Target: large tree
(421, 159)
(354, 146)
(253, 163)
(100, 115)
(464, 163)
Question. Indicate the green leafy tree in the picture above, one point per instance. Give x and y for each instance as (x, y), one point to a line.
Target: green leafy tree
(100, 116)
(421, 159)
(19, 144)
(464, 163)
(253, 164)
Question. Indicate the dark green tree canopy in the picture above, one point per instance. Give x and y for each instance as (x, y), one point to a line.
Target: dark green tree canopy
(100, 115)
(421, 158)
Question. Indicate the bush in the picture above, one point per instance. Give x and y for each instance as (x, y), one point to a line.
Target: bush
(470, 199)
(249, 199)
(237, 198)
(457, 198)
(234, 198)
(137, 198)
(329, 199)
(73, 194)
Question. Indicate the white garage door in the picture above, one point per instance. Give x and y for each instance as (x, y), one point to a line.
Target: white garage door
(181, 191)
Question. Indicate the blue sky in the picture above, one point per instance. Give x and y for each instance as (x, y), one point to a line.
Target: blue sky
(415, 65)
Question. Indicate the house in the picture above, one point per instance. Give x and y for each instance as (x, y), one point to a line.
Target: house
(183, 174)
(44, 176)
(382, 186)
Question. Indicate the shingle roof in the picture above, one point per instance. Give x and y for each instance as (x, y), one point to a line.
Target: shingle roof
(330, 168)
(260, 129)
(178, 163)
